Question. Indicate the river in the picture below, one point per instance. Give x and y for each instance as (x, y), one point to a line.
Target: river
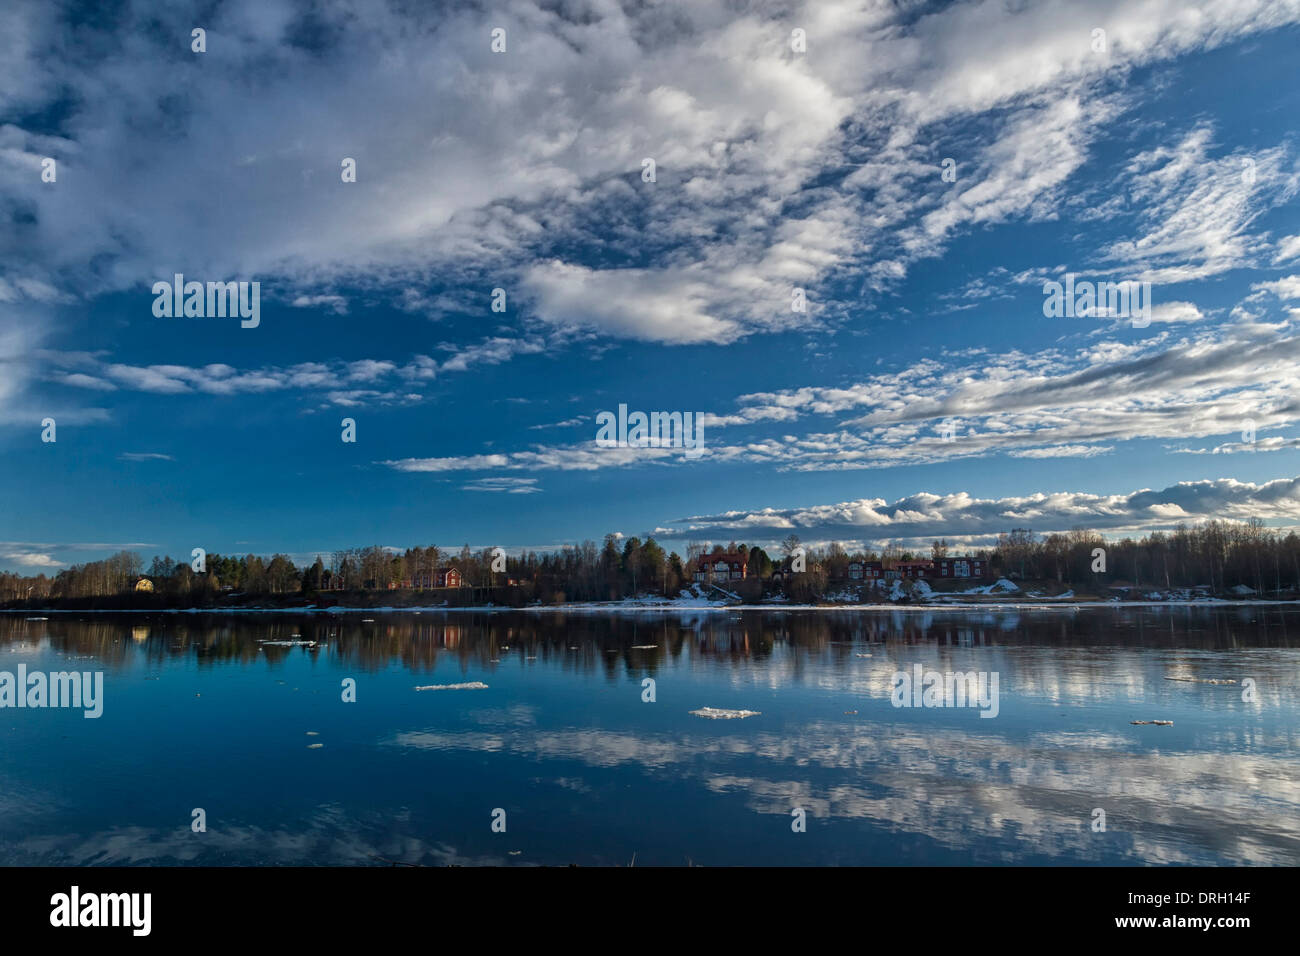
(235, 739)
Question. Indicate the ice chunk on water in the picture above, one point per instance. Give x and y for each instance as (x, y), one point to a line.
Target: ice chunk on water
(722, 713)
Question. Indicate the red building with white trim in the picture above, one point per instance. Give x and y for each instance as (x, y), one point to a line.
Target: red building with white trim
(722, 566)
(962, 566)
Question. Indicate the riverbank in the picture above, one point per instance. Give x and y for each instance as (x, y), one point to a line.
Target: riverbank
(667, 607)
(1002, 594)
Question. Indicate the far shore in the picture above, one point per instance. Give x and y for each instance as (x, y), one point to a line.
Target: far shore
(670, 607)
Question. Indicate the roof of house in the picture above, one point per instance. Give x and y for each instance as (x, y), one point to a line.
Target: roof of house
(731, 557)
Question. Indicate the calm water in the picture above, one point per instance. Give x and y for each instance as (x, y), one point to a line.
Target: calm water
(199, 711)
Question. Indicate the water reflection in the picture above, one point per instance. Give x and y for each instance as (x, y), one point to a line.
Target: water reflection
(418, 640)
(561, 737)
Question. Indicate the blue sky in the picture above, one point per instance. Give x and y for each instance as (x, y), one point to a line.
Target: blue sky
(1164, 152)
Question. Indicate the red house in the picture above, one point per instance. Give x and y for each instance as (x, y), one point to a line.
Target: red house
(723, 566)
(914, 569)
(437, 578)
(961, 567)
(866, 570)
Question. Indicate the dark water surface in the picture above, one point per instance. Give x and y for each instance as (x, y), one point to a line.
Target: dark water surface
(200, 711)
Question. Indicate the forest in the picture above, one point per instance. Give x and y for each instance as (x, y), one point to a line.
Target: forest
(1221, 556)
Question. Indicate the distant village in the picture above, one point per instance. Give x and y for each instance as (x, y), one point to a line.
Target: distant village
(635, 569)
(1217, 557)
(734, 566)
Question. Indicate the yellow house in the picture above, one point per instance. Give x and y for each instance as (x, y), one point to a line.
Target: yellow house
(144, 584)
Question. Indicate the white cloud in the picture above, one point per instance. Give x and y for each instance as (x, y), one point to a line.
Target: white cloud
(1176, 312)
(1288, 287)
(31, 559)
(337, 303)
(636, 303)
(1197, 206)
(571, 458)
(336, 381)
(540, 150)
(1050, 404)
(510, 486)
(1062, 451)
(921, 517)
(144, 456)
(1288, 248)
(491, 351)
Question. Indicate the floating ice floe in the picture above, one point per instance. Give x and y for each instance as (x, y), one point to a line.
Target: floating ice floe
(315, 746)
(722, 713)
(1202, 680)
(471, 685)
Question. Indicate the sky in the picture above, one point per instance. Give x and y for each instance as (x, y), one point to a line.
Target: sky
(916, 173)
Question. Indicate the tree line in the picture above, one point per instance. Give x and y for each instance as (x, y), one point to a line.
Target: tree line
(1219, 555)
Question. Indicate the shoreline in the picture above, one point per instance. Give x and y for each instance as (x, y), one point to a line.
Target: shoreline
(669, 607)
